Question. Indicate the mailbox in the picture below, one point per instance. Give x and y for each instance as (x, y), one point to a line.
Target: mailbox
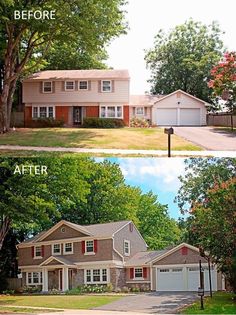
(169, 131)
(200, 292)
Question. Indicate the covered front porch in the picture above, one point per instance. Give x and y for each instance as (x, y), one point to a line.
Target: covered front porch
(58, 274)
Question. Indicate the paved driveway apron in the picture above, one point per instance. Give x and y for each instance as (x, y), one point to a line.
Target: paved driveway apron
(210, 138)
(152, 303)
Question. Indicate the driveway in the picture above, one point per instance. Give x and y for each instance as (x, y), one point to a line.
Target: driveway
(209, 138)
(152, 303)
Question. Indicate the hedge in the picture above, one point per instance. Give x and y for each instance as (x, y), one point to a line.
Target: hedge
(94, 122)
(45, 123)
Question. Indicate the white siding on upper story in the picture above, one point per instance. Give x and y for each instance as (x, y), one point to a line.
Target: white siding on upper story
(32, 93)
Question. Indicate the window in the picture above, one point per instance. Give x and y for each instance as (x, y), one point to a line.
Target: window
(164, 270)
(177, 270)
(43, 112)
(96, 276)
(69, 85)
(106, 86)
(56, 249)
(139, 111)
(38, 252)
(89, 246)
(47, 87)
(34, 278)
(111, 111)
(68, 248)
(83, 85)
(126, 248)
(138, 273)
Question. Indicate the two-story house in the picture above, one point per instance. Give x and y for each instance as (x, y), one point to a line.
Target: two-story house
(72, 95)
(68, 255)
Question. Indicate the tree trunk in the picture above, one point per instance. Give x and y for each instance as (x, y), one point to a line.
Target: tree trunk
(4, 228)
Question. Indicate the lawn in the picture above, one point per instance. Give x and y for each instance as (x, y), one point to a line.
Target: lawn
(10, 310)
(221, 303)
(125, 138)
(59, 301)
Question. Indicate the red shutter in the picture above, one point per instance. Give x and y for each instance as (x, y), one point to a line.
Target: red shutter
(184, 250)
(95, 244)
(83, 247)
(131, 273)
(145, 272)
(42, 250)
(32, 251)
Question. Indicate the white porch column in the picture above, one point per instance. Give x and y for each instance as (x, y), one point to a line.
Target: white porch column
(65, 284)
(45, 279)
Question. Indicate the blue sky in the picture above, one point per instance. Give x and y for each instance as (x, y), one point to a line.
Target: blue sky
(160, 175)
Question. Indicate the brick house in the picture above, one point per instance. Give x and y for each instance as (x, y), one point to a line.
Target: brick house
(72, 95)
(68, 255)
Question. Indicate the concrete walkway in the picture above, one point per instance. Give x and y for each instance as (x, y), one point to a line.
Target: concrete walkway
(150, 153)
(209, 138)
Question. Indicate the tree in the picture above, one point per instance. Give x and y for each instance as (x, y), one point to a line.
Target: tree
(25, 43)
(214, 223)
(223, 81)
(183, 58)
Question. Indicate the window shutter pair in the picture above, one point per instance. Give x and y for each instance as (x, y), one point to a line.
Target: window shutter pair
(132, 273)
(95, 248)
(32, 251)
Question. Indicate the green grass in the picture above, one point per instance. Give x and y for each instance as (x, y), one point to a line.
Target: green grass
(59, 301)
(124, 138)
(10, 310)
(221, 303)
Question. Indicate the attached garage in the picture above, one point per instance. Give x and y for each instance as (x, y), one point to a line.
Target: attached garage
(184, 279)
(179, 109)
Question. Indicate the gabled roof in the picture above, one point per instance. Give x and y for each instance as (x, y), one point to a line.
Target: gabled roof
(143, 258)
(78, 74)
(185, 93)
(144, 100)
(59, 259)
(93, 230)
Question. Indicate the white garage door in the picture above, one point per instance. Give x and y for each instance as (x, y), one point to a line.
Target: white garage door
(184, 279)
(166, 116)
(189, 117)
(170, 279)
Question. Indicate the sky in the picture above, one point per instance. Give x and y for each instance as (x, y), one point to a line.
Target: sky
(159, 175)
(146, 17)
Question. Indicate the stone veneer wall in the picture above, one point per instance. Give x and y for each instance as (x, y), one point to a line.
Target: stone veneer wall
(78, 278)
(141, 286)
(117, 277)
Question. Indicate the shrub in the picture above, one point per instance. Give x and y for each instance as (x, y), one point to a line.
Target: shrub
(31, 289)
(8, 292)
(135, 289)
(139, 123)
(45, 123)
(125, 290)
(89, 288)
(94, 122)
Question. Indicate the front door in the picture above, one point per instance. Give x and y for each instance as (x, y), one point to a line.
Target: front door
(77, 115)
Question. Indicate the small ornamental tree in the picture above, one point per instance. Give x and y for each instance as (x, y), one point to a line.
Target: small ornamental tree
(214, 225)
(223, 81)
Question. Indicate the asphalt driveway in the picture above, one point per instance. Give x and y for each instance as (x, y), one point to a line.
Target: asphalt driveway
(209, 138)
(152, 303)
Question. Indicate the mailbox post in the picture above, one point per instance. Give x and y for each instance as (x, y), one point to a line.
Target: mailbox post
(201, 294)
(169, 132)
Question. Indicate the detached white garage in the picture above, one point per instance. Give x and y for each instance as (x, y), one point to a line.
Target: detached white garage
(179, 109)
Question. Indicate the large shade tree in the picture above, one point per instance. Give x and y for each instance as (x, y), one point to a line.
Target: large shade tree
(91, 25)
(182, 59)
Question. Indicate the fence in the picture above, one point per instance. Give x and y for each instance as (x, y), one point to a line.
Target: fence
(221, 119)
(17, 119)
(14, 283)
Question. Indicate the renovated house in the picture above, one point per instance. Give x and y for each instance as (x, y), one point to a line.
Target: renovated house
(72, 95)
(68, 255)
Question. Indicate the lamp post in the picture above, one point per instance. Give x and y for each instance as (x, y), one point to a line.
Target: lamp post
(169, 132)
(202, 254)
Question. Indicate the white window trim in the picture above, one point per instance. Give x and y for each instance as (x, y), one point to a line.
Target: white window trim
(73, 85)
(106, 109)
(137, 114)
(47, 109)
(89, 253)
(110, 86)
(79, 85)
(37, 257)
(64, 248)
(53, 249)
(47, 92)
(96, 282)
(128, 242)
(33, 284)
(138, 278)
